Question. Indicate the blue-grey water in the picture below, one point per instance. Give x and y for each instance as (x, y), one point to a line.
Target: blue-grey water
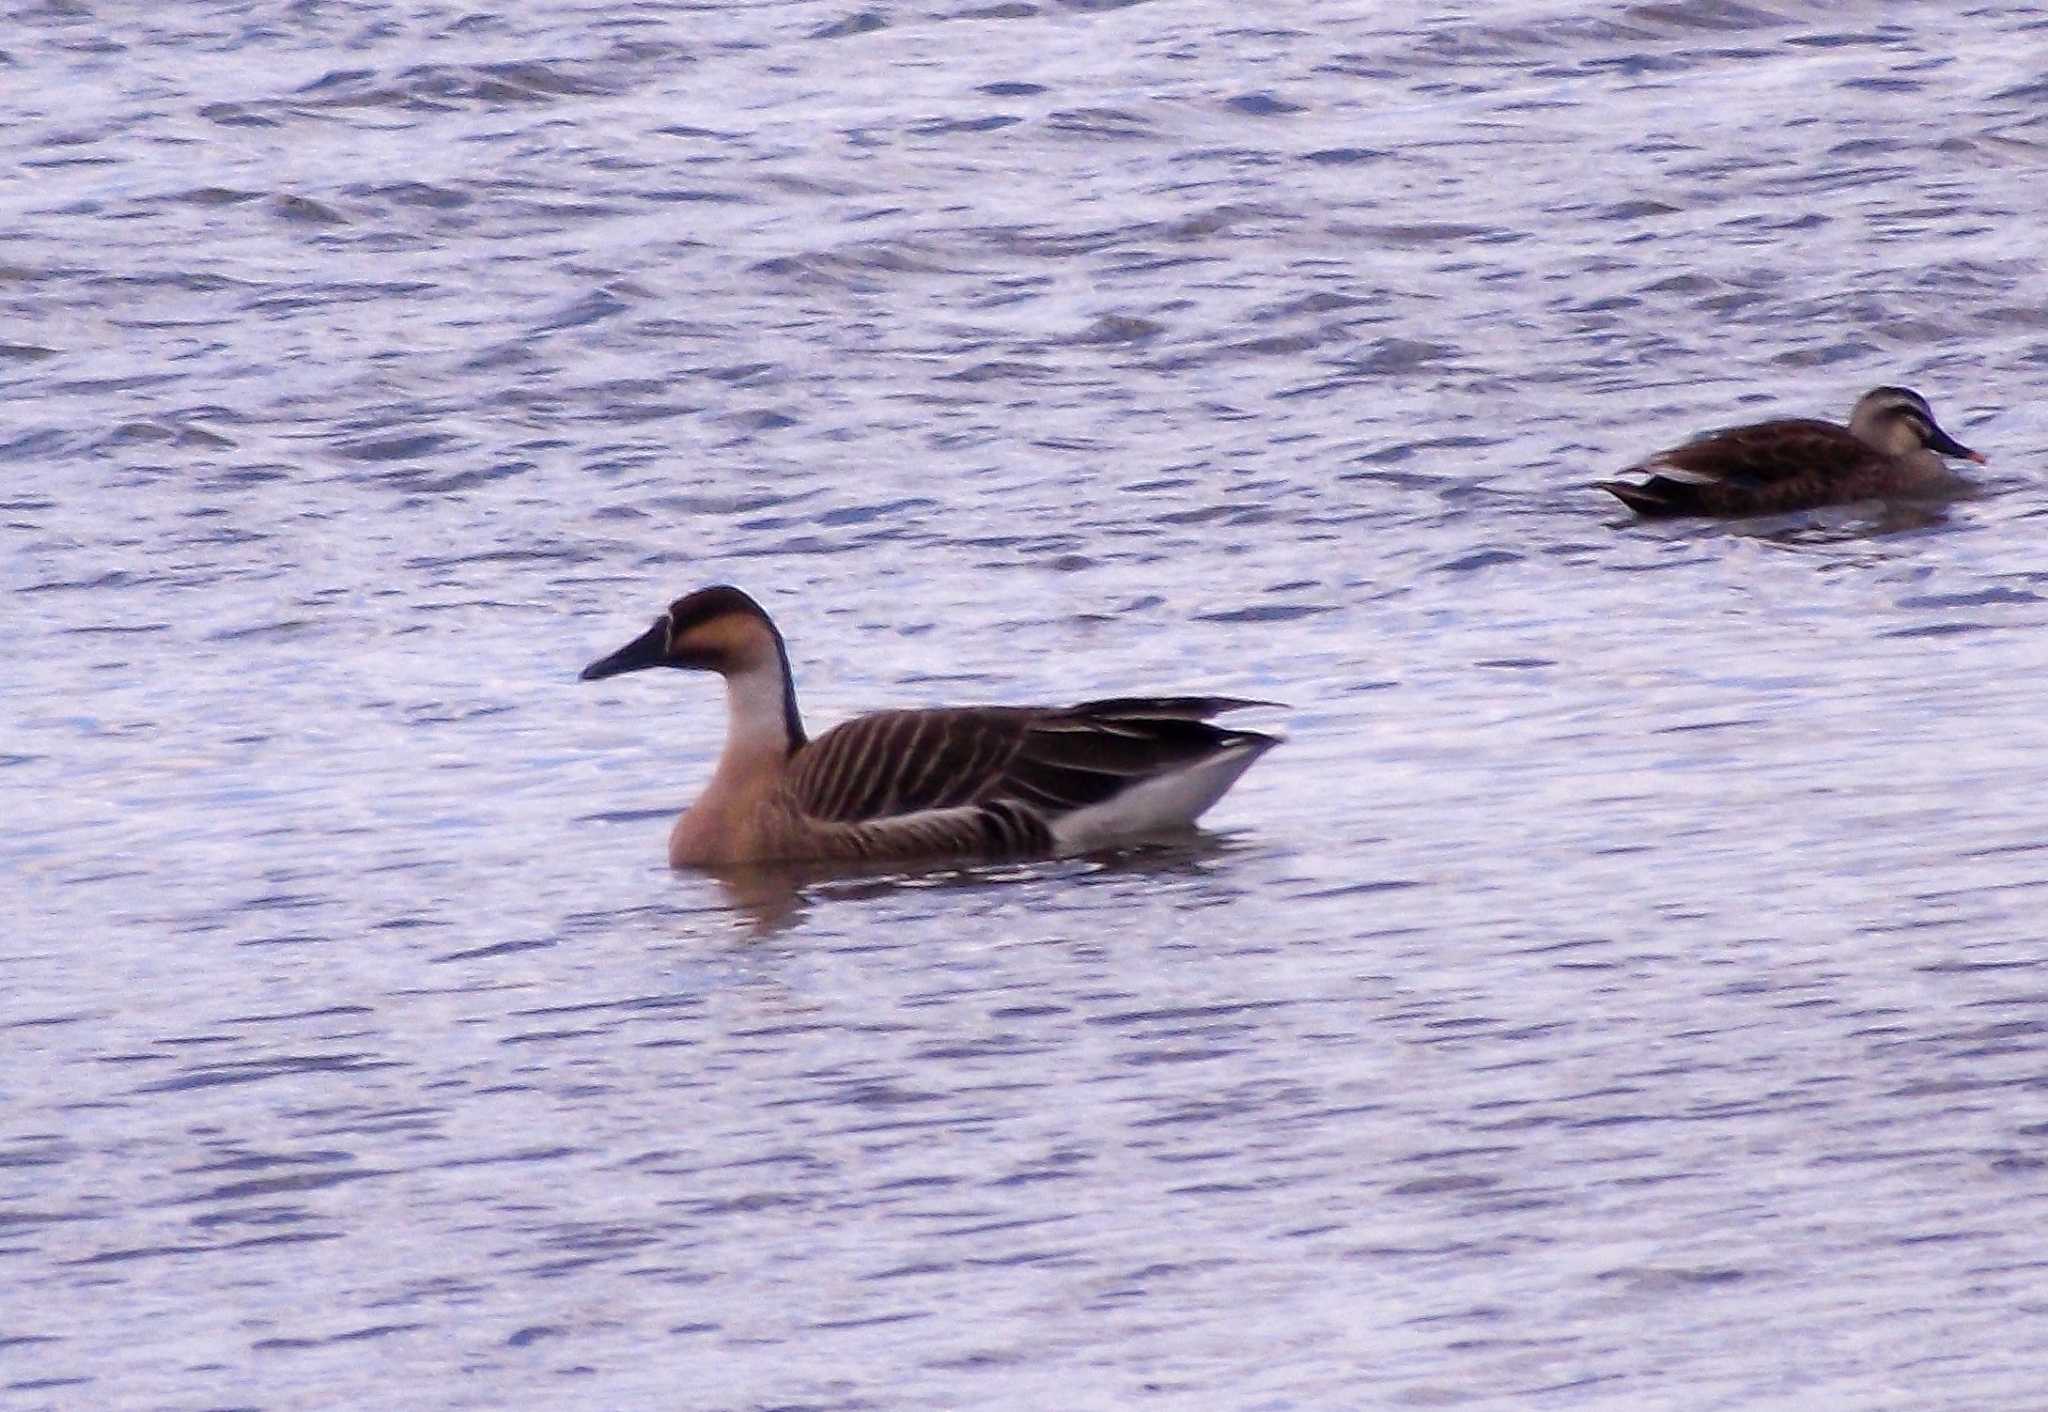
(1627, 988)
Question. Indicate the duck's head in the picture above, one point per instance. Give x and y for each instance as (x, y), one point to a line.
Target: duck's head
(721, 630)
(1898, 420)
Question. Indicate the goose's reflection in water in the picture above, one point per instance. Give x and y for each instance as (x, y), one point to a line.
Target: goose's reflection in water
(770, 899)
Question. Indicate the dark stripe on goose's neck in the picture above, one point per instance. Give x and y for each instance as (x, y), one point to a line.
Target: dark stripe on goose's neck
(792, 722)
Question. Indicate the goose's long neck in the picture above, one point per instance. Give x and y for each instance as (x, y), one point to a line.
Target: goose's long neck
(762, 724)
(761, 732)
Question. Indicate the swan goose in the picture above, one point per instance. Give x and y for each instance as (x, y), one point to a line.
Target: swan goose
(967, 781)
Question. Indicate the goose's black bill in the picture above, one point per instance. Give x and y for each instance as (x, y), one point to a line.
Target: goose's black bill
(1939, 440)
(650, 649)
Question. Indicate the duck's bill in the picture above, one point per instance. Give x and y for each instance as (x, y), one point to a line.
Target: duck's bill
(1949, 446)
(650, 649)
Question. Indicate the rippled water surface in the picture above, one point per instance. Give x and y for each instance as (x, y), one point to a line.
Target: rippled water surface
(1624, 990)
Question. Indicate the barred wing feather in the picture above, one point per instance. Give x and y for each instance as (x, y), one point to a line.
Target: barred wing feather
(1047, 761)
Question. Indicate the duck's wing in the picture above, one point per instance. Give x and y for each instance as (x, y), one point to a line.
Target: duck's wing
(1002, 779)
(1756, 469)
(1767, 454)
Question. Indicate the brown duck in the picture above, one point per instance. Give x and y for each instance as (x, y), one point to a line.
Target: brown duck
(1892, 446)
(970, 781)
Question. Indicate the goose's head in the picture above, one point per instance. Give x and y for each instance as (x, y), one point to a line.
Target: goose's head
(721, 630)
(1898, 420)
(712, 630)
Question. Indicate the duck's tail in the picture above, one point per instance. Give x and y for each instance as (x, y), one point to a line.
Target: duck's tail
(1655, 498)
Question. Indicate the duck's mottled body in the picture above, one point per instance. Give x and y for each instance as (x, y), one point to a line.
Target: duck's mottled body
(975, 781)
(1891, 447)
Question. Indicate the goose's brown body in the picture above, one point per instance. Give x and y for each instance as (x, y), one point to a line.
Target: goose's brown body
(1891, 447)
(975, 781)
(987, 781)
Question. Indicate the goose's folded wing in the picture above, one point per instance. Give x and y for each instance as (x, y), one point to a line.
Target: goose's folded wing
(1086, 754)
(1184, 708)
(905, 762)
(1766, 454)
(1051, 760)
